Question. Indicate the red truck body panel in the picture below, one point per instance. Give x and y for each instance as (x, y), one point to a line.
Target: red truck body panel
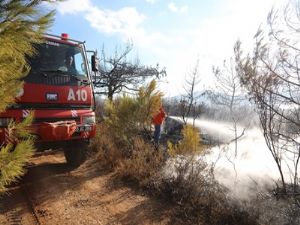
(36, 93)
(62, 111)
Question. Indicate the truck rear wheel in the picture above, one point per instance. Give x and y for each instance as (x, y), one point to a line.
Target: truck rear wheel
(76, 153)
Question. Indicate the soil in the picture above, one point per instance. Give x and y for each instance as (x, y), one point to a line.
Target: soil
(53, 193)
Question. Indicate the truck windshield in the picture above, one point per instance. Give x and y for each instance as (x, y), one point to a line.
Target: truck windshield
(58, 58)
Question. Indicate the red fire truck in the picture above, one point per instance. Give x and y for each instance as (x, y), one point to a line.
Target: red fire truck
(58, 91)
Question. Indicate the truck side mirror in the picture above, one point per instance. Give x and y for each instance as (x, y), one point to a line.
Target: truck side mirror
(95, 63)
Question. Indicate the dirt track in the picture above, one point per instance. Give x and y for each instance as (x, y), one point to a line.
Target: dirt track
(52, 193)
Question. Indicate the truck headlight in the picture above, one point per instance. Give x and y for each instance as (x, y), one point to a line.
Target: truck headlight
(20, 93)
(5, 121)
(89, 120)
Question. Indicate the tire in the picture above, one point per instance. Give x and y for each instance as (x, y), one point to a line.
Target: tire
(76, 153)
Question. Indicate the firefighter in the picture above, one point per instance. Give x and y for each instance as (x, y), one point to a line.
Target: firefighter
(69, 64)
(157, 120)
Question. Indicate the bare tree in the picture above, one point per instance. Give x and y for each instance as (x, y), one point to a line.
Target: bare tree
(189, 105)
(228, 94)
(117, 73)
(271, 75)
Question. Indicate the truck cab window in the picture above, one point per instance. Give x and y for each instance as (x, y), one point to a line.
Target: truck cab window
(53, 60)
(79, 64)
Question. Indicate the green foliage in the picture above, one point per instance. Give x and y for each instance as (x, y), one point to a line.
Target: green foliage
(122, 117)
(13, 160)
(149, 102)
(22, 24)
(189, 144)
(128, 116)
(121, 139)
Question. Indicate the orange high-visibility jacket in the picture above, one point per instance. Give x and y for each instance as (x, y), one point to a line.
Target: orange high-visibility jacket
(159, 117)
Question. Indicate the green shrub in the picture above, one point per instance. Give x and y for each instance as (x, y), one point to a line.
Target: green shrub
(121, 140)
(128, 118)
(21, 25)
(122, 120)
(13, 157)
(149, 101)
(189, 144)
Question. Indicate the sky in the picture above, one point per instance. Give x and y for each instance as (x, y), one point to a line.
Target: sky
(171, 33)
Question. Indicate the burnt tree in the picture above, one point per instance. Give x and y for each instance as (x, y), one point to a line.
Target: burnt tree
(119, 74)
(271, 76)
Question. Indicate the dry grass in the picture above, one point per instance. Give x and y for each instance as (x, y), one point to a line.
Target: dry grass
(186, 183)
(105, 148)
(138, 163)
(198, 197)
(144, 163)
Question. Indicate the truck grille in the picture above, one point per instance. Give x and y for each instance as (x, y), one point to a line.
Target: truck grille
(53, 120)
(53, 80)
(34, 106)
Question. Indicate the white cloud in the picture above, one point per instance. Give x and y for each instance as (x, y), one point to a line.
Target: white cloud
(108, 21)
(176, 9)
(74, 6)
(126, 22)
(212, 38)
(151, 1)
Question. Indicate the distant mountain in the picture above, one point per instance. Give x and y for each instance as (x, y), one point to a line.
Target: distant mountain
(213, 98)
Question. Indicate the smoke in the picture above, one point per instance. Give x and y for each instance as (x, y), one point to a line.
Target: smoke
(249, 170)
(222, 132)
(249, 173)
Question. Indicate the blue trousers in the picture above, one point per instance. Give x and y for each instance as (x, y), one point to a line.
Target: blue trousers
(157, 129)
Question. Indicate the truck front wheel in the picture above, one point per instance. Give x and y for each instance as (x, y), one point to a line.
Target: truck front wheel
(76, 152)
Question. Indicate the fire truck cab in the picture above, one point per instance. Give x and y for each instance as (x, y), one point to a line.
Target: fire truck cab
(58, 91)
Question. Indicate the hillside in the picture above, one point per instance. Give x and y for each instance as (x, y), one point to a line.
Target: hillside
(55, 194)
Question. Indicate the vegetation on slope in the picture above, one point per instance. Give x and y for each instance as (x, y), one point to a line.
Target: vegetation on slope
(21, 26)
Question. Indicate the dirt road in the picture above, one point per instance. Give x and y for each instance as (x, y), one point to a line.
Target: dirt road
(52, 193)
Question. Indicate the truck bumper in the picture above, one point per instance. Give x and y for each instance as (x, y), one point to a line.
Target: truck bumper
(52, 133)
(53, 126)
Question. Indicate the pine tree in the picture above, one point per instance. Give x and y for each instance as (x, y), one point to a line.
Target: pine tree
(149, 100)
(22, 24)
